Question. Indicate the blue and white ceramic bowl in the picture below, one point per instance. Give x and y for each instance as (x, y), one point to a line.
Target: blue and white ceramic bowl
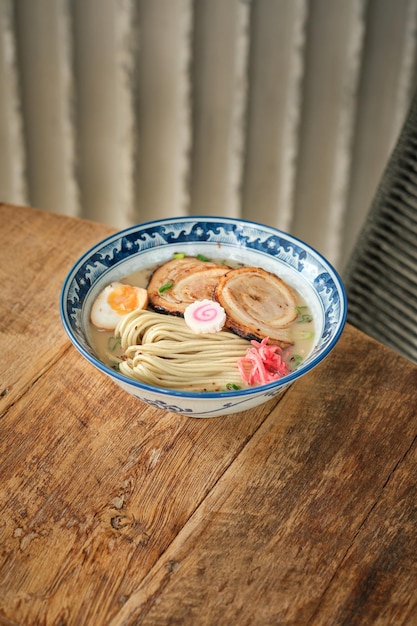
(250, 243)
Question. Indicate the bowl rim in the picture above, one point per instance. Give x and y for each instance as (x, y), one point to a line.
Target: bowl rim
(206, 395)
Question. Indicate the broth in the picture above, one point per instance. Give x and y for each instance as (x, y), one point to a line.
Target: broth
(302, 330)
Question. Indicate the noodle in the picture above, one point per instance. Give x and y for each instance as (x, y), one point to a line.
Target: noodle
(161, 350)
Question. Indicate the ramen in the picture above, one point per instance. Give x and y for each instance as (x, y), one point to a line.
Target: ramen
(202, 325)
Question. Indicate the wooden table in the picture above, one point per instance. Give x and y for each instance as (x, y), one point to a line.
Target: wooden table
(302, 511)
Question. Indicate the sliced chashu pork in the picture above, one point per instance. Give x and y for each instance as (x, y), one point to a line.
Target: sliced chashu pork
(258, 304)
(191, 278)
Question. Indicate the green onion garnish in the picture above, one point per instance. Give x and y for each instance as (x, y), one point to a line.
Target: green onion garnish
(232, 387)
(179, 255)
(201, 257)
(113, 343)
(167, 285)
(296, 360)
(303, 317)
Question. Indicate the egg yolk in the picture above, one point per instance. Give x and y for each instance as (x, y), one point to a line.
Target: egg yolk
(123, 299)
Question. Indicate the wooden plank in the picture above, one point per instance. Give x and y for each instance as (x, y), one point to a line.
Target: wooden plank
(377, 581)
(113, 512)
(95, 488)
(274, 533)
(34, 265)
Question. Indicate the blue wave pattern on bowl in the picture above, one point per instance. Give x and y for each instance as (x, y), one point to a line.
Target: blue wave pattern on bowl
(324, 284)
(167, 406)
(130, 243)
(137, 239)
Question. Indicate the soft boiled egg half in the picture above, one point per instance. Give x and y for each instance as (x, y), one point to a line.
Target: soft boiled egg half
(114, 302)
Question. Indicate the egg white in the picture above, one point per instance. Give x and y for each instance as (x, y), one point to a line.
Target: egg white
(104, 316)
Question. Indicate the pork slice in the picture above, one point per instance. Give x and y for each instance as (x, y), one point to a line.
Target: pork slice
(258, 304)
(191, 280)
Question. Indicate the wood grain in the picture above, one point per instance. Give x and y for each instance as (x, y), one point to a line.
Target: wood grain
(94, 488)
(267, 543)
(114, 513)
(34, 262)
(377, 581)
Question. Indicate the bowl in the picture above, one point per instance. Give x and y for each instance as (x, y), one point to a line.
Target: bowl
(245, 242)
